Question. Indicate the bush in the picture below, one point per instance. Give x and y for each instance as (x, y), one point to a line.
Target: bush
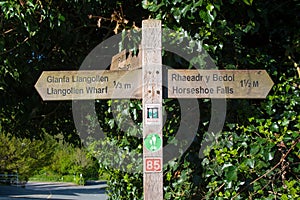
(259, 160)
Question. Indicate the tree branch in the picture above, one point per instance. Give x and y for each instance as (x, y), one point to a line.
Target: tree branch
(15, 47)
(8, 31)
(274, 167)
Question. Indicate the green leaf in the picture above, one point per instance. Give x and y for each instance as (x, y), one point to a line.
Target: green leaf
(210, 7)
(111, 123)
(206, 16)
(198, 3)
(185, 10)
(226, 166)
(231, 174)
(254, 149)
(169, 176)
(274, 128)
(248, 2)
(269, 155)
(168, 195)
(250, 163)
(61, 17)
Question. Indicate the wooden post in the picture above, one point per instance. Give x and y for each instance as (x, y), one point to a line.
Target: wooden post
(152, 109)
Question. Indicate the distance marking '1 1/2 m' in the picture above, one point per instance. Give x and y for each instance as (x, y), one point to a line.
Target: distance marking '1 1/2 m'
(249, 83)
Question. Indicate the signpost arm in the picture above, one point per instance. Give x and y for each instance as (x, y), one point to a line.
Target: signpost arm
(152, 108)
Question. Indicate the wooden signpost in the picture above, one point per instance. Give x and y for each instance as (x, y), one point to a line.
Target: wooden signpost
(146, 84)
(152, 110)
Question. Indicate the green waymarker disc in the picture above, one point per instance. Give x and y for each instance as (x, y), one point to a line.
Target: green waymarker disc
(153, 142)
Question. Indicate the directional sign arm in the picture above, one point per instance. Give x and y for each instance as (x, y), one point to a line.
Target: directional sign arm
(218, 84)
(81, 85)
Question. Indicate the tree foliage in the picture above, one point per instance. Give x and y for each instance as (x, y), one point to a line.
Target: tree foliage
(259, 160)
(24, 156)
(70, 164)
(49, 35)
(46, 159)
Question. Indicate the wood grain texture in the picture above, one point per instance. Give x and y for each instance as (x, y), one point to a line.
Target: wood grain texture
(152, 95)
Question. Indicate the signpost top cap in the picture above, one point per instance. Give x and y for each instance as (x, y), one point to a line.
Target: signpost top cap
(151, 23)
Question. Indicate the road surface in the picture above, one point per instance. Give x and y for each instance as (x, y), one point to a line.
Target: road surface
(54, 191)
